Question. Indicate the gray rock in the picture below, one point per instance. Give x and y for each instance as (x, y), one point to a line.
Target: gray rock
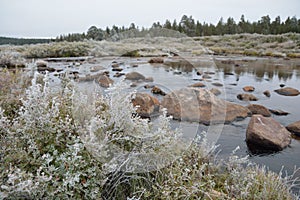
(266, 133)
(135, 76)
(267, 93)
(278, 112)
(247, 97)
(105, 81)
(259, 109)
(200, 105)
(294, 128)
(288, 91)
(199, 84)
(146, 103)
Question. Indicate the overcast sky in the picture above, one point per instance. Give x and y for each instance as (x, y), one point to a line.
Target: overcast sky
(50, 18)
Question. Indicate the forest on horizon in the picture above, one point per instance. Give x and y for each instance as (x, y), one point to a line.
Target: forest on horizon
(187, 25)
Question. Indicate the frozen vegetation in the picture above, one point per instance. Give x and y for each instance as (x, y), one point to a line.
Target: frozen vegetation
(135, 45)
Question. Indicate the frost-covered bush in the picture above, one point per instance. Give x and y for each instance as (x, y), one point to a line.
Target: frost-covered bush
(58, 49)
(12, 86)
(11, 59)
(63, 146)
(42, 155)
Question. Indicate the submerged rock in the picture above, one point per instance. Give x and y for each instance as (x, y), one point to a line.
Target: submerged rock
(217, 84)
(267, 93)
(294, 128)
(288, 91)
(147, 104)
(157, 90)
(200, 105)
(199, 84)
(266, 133)
(135, 76)
(247, 97)
(278, 112)
(259, 109)
(96, 68)
(156, 60)
(119, 74)
(215, 91)
(248, 88)
(149, 79)
(206, 76)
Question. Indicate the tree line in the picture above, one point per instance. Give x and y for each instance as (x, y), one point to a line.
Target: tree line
(22, 41)
(193, 28)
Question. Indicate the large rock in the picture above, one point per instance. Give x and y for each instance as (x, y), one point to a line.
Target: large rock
(288, 91)
(247, 97)
(105, 81)
(294, 128)
(267, 134)
(135, 76)
(146, 103)
(200, 105)
(259, 109)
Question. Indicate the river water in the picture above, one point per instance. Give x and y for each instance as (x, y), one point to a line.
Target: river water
(233, 73)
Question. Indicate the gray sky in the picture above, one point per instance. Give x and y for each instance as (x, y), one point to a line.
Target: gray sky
(50, 18)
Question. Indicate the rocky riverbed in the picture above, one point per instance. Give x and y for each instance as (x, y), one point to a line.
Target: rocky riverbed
(220, 95)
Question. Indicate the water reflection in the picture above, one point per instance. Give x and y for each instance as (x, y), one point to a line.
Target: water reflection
(263, 69)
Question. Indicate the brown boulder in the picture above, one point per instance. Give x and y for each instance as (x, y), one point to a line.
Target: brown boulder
(200, 105)
(266, 133)
(259, 109)
(267, 93)
(248, 88)
(135, 76)
(288, 91)
(156, 60)
(247, 97)
(105, 81)
(294, 128)
(157, 90)
(146, 103)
